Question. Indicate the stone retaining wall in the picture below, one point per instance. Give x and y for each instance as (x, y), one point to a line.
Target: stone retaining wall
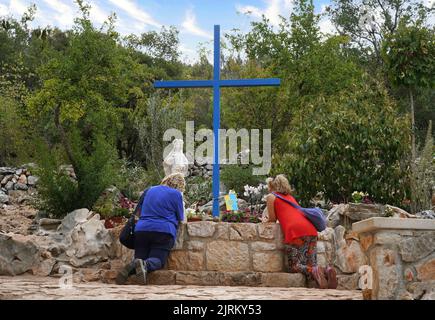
(401, 254)
(222, 246)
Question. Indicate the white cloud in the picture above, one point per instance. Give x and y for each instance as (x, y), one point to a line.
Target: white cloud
(97, 14)
(4, 11)
(65, 13)
(190, 25)
(272, 11)
(135, 12)
(17, 7)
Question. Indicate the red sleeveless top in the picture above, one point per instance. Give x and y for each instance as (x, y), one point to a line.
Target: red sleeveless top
(293, 222)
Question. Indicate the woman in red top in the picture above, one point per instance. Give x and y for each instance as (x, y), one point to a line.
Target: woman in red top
(300, 236)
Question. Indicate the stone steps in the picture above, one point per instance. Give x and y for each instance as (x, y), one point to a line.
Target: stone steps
(218, 278)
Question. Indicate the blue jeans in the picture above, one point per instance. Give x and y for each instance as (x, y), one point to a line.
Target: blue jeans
(153, 247)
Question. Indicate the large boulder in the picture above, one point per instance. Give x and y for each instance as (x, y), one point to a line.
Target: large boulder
(18, 254)
(88, 243)
(349, 255)
(72, 219)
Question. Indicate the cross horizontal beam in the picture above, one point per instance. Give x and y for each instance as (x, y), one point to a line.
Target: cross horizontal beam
(220, 83)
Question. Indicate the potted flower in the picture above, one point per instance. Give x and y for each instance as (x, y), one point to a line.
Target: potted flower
(194, 215)
(116, 217)
(359, 196)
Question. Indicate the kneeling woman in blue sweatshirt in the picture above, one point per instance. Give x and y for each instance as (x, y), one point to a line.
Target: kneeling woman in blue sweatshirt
(160, 210)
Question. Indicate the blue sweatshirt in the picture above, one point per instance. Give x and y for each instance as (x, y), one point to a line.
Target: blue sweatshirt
(161, 208)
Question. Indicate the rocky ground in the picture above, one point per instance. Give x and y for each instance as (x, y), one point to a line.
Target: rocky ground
(16, 218)
(47, 288)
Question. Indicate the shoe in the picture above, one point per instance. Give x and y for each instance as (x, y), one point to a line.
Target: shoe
(141, 271)
(122, 276)
(318, 274)
(331, 275)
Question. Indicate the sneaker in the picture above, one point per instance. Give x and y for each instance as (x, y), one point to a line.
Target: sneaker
(318, 275)
(141, 271)
(123, 275)
(331, 275)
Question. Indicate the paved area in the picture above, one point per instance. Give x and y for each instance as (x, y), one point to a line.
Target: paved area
(47, 288)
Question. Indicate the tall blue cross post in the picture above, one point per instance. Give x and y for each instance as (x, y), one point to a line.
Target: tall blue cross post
(216, 84)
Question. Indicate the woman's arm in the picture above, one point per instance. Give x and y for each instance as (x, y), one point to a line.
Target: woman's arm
(270, 207)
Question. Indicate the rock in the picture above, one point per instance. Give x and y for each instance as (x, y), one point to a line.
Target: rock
(362, 211)
(427, 214)
(385, 281)
(72, 219)
(268, 261)
(32, 180)
(395, 212)
(267, 230)
(335, 214)
(426, 270)
(186, 260)
(202, 229)
(422, 290)
(44, 268)
(89, 242)
(181, 233)
(227, 256)
(263, 246)
(9, 185)
(6, 179)
(326, 235)
(161, 277)
(348, 282)
(195, 245)
(22, 179)
(6, 170)
(20, 186)
(4, 198)
(243, 231)
(280, 279)
(46, 224)
(19, 171)
(349, 256)
(18, 254)
(415, 248)
(222, 231)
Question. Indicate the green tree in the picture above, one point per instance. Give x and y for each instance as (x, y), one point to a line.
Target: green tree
(409, 57)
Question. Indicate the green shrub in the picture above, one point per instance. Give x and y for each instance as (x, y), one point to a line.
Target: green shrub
(96, 168)
(235, 177)
(133, 179)
(353, 142)
(198, 189)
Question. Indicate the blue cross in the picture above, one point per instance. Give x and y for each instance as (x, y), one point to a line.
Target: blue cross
(216, 84)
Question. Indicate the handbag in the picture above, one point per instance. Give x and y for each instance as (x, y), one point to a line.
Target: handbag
(314, 215)
(126, 237)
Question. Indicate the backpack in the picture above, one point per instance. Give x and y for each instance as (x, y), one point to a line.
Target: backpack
(314, 215)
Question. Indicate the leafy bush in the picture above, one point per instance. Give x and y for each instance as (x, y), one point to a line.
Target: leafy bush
(198, 189)
(133, 179)
(95, 170)
(353, 142)
(235, 177)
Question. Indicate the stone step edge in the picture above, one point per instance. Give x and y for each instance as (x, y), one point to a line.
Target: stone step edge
(220, 278)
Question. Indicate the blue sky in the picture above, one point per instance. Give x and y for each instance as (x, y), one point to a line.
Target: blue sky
(194, 18)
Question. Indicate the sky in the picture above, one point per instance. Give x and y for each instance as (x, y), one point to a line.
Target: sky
(193, 18)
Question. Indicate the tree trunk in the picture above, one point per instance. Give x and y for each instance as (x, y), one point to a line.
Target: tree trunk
(413, 149)
(65, 140)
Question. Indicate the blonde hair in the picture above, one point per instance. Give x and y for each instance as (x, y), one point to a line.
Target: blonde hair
(279, 184)
(174, 180)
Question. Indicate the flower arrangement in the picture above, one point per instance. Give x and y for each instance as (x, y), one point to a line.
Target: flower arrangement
(240, 216)
(361, 197)
(256, 197)
(194, 215)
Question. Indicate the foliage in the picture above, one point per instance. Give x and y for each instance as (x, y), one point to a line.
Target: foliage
(409, 56)
(60, 194)
(133, 179)
(237, 176)
(256, 197)
(198, 190)
(423, 176)
(345, 144)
